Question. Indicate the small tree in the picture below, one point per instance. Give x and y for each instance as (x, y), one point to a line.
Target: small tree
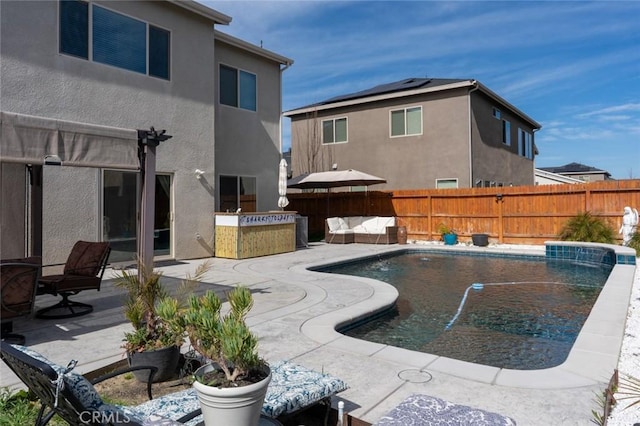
(224, 339)
(587, 228)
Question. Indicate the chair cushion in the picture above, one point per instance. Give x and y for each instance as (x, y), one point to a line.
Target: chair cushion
(86, 258)
(333, 223)
(336, 224)
(294, 387)
(171, 406)
(423, 410)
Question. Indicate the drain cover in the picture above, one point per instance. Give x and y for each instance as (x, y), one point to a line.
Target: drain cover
(415, 376)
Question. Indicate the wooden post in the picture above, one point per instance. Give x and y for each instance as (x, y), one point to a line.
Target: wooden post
(500, 200)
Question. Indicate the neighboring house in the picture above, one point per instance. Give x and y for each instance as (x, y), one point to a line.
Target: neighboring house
(418, 133)
(579, 171)
(101, 70)
(543, 177)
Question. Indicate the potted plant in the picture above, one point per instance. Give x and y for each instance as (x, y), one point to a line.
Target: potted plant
(231, 388)
(152, 341)
(449, 236)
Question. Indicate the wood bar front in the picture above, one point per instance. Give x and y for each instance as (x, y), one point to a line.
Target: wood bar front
(245, 235)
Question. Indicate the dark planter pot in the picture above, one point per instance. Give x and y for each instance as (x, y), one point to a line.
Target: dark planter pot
(402, 235)
(450, 239)
(165, 359)
(481, 240)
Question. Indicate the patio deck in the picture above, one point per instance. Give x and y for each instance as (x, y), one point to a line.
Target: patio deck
(294, 313)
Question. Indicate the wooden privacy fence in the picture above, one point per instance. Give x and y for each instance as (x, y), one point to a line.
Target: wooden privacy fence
(514, 215)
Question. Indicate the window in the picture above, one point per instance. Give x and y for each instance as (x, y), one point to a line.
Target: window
(525, 144)
(334, 131)
(238, 88)
(407, 121)
(446, 183)
(238, 192)
(496, 113)
(506, 132)
(113, 39)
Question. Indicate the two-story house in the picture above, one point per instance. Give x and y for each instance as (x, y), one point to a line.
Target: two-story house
(80, 78)
(418, 133)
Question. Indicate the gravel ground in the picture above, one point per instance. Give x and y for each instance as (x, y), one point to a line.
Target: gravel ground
(629, 363)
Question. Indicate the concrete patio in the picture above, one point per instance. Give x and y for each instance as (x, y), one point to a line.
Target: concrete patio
(294, 314)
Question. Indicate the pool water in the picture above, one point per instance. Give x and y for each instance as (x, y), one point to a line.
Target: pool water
(526, 316)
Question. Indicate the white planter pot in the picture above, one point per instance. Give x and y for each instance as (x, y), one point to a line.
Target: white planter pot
(238, 406)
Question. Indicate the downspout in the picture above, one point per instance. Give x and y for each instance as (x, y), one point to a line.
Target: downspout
(282, 70)
(475, 87)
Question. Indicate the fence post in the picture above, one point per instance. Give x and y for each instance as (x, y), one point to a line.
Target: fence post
(500, 200)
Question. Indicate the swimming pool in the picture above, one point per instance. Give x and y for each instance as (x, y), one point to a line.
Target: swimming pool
(526, 316)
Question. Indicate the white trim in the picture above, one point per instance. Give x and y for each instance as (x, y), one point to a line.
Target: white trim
(346, 120)
(449, 180)
(241, 44)
(202, 10)
(392, 136)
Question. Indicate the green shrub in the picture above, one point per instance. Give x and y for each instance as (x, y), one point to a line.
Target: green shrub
(21, 408)
(634, 243)
(587, 228)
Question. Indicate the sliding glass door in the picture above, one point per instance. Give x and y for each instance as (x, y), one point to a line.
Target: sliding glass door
(121, 195)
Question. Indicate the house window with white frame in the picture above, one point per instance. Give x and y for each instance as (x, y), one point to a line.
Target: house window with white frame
(496, 113)
(95, 33)
(238, 88)
(506, 132)
(406, 121)
(446, 183)
(334, 130)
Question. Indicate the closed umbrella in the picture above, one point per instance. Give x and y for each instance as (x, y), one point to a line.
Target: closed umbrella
(282, 185)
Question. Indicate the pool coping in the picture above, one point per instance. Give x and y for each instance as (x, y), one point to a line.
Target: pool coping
(591, 360)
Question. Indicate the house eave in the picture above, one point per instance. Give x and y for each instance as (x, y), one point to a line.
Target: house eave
(407, 93)
(377, 98)
(241, 44)
(484, 89)
(202, 10)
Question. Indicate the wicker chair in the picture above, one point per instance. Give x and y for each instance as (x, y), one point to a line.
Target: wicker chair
(82, 271)
(18, 281)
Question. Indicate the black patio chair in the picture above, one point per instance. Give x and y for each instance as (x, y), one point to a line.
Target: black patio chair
(70, 395)
(83, 270)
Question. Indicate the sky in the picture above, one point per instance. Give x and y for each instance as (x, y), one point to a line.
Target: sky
(572, 66)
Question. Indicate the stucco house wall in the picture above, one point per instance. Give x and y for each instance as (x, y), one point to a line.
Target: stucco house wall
(252, 138)
(493, 160)
(38, 80)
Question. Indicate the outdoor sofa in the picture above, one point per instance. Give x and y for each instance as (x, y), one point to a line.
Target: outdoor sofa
(361, 229)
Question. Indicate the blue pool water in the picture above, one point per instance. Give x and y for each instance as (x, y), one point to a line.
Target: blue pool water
(522, 313)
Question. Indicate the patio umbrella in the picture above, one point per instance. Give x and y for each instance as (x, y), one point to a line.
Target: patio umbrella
(282, 185)
(335, 178)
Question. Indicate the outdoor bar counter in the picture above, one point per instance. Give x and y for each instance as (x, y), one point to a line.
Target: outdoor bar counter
(244, 235)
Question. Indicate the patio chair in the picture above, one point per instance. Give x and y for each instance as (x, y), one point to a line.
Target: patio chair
(83, 270)
(18, 281)
(292, 388)
(70, 395)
